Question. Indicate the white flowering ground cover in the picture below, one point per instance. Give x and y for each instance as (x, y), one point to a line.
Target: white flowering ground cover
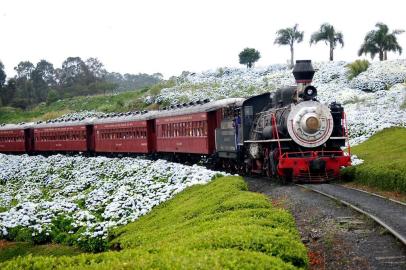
(372, 100)
(79, 199)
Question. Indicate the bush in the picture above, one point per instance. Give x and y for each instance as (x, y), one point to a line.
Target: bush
(52, 97)
(214, 226)
(384, 164)
(356, 67)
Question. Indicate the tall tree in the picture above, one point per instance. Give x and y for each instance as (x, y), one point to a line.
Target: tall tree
(96, 68)
(74, 71)
(24, 96)
(2, 75)
(2, 81)
(42, 78)
(158, 76)
(8, 91)
(288, 36)
(249, 56)
(46, 72)
(24, 69)
(381, 41)
(330, 36)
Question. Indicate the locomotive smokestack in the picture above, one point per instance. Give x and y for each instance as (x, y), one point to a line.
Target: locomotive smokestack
(303, 71)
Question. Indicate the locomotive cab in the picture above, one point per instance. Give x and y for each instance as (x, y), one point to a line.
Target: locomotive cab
(229, 134)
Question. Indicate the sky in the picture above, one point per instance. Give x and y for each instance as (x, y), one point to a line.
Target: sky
(170, 36)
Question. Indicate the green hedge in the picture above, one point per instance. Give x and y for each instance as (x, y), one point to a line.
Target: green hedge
(357, 67)
(384, 156)
(215, 226)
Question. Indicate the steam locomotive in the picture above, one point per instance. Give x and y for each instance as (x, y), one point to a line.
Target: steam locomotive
(287, 133)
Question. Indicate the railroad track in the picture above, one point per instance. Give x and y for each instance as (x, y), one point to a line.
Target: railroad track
(340, 235)
(388, 213)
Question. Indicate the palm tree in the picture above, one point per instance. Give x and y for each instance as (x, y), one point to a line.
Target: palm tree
(328, 34)
(289, 36)
(380, 41)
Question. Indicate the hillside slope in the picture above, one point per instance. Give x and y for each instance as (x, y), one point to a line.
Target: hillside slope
(102, 103)
(384, 165)
(374, 100)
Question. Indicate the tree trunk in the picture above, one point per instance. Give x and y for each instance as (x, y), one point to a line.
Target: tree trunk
(331, 52)
(291, 56)
(381, 55)
(385, 55)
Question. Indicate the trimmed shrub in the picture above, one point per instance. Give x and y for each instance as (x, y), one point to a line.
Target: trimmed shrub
(384, 156)
(356, 67)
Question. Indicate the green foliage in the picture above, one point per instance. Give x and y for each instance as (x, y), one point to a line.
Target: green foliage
(330, 36)
(81, 203)
(380, 41)
(356, 67)
(38, 83)
(249, 56)
(156, 88)
(2, 75)
(108, 103)
(14, 250)
(61, 231)
(214, 226)
(126, 101)
(288, 36)
(52, 97)
(384, 156)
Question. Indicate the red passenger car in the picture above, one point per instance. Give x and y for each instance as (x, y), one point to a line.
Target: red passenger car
(131, 134)
(191, 129)
(64, 137)
(16, 138)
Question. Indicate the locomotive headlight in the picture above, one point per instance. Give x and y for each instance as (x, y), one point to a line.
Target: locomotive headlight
(309, 92)
(310, 123)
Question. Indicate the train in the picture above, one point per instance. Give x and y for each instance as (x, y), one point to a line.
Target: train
(287, 134)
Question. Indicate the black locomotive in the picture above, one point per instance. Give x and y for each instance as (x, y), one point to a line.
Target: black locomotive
(287, 133)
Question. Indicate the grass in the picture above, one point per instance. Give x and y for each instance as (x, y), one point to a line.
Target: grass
(215, 226)
(356, 67)
(388, 194)
(103, 103)
(126, 101)
(384, 166)
(10, 250)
